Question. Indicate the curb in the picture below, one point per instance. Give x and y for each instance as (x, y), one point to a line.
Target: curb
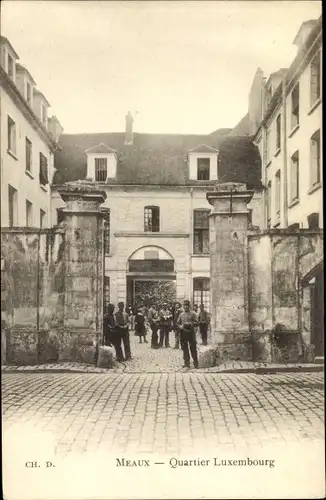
(255, 371)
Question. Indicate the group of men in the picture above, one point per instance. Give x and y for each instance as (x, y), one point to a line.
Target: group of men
(184, 322)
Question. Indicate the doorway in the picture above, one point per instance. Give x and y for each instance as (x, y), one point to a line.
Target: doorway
(142, 291)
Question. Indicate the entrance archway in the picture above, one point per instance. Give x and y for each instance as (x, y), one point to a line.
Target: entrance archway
(151, 277)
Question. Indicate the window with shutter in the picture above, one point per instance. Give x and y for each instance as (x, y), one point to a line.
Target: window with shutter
(295, 176)
(44, 180)
(278, 132)
(295, 106)
(201, 232)
(315, 159)
(11, 135)
(315, 73)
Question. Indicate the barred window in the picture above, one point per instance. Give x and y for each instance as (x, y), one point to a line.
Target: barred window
(101, 169)
(201, 231)
(152, 219)
(201, 292)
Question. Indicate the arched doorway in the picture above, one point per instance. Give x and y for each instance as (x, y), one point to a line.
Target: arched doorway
(151, 277)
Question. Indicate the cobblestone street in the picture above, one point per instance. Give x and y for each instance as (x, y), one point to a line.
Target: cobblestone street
(164, 412)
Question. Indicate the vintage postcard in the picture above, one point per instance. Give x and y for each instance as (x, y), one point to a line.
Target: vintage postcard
(162, 312)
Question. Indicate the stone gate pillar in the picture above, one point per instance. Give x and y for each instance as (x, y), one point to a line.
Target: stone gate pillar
(84, 272)
(229, 270)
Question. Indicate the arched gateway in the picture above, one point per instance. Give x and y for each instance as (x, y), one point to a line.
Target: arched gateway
(150, 276)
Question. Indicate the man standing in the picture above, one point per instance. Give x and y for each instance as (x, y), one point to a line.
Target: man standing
(203, 320)
(187, 323)
(176, 313)
(122, 328)
(165, 325)
(153, 319)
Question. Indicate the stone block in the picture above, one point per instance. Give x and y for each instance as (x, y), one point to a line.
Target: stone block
(262, 346)
(234, 347)
(106, 357)
(48, 347)
(22, 346)
(206, 356)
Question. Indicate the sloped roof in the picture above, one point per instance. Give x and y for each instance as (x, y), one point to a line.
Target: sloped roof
(158, 159)
(203, 148)
(101, 149)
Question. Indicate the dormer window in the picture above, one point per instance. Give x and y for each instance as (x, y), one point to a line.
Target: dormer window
(101, 163)
(203, 162)
(43, 113)
(203, 168)
(101, 169)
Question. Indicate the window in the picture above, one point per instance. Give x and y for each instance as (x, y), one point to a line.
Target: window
(201, 293)
(268, 96)
(106, 295)
(269, 203)
(13, 206)
(10, 67)
(294, 186)
(315, 79)
(44, 180)
(29, 214)
(250, 216)
(203, 166)
(107, 232)
(278, 132)
(295, 107)
(11, 135)
(278, 194)
(42, 218)
(313, 221)
(152, 219)
(28, 151)
(201, 231)
(101, 169)
(315, 159)
(28, 93)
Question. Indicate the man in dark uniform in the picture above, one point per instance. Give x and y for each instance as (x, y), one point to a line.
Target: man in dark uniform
(187, 323)
(122, 328)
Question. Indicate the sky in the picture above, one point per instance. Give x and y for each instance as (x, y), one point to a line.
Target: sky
(179, 67)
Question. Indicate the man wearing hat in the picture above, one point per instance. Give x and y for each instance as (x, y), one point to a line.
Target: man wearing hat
(187, 323)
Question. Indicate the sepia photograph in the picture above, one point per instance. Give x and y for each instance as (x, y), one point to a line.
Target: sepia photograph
(162, 281)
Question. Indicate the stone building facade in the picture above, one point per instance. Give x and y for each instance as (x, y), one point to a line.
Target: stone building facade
(156, 206)
(28, 141)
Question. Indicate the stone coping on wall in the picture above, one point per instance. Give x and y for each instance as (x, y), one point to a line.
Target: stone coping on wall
(285, 232)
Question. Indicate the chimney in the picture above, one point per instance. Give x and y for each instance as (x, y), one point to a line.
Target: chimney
(55, 128)
(129, 136)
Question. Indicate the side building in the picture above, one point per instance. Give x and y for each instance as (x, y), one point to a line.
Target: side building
(29, 139)
(157, 237)
(285, 114)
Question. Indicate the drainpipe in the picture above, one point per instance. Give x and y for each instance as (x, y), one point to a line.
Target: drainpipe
(285, 163)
